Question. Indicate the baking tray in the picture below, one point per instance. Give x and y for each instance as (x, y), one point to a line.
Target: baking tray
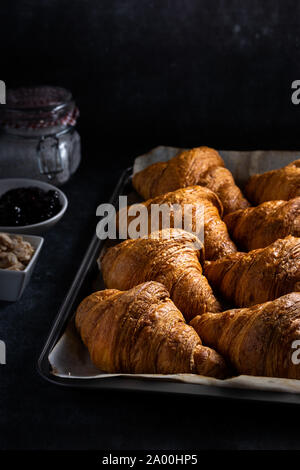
(81, 287)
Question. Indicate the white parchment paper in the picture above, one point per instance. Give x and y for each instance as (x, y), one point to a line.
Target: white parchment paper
(70, 358)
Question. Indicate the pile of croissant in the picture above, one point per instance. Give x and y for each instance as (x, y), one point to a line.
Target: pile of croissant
(163, 309)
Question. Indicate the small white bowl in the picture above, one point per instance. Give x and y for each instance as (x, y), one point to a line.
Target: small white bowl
(12, 183)
(13, 283)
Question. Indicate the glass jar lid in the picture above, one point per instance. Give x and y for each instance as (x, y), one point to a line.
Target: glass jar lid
(38, 108)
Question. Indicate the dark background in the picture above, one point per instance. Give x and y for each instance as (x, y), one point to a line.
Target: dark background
(179, 72)
(143, 73)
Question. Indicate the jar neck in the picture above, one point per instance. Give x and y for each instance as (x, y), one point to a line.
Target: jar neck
(36, 133)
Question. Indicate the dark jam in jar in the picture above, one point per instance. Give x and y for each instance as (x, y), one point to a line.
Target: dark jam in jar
(26, 206)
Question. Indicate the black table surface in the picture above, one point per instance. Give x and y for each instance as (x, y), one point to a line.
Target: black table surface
(35, 414)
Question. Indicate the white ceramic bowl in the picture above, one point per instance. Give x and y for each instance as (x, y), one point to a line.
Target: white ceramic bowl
(12, 183)
(13, 283)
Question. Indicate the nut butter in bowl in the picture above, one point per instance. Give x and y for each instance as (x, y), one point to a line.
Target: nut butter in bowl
(15, 252)
(18, 256)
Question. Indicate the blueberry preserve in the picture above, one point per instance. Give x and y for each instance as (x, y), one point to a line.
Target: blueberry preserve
(26, 206)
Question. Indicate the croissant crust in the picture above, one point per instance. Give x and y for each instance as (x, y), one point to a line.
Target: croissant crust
(169, 256)
(141, 331)
(201, 166)
(264, 274)
(257, 227)
(279, 184)
(258, 340)
(205, 204)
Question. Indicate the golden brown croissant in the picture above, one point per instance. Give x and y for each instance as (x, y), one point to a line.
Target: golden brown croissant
(264, 274)
(168, 256)
(201, 166)
(140, 331)
(258, 340)
(257, 227)
(217, 242)
(274, 185)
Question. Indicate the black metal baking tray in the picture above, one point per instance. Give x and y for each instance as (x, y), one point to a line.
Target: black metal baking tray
(81, 287)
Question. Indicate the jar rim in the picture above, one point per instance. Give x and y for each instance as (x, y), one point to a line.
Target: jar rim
(38, 107)
(38, 98)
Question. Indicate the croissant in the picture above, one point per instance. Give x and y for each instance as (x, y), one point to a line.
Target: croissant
(168, 256)
(205, 204)
(257, 227)
(140, 331)
(201, 166)
(260, 275)
(276, 184)
(258, 340)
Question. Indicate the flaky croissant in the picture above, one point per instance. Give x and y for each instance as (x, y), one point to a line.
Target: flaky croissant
(273, 185)
(201, 166)
(257, 227)
(140, 331)
(258, 340)
(206, 205)
(168, 256)
(258, 276)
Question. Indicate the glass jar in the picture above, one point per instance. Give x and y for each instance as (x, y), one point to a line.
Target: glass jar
(38, 138)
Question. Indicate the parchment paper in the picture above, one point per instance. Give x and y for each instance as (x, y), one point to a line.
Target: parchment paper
(70, 358)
